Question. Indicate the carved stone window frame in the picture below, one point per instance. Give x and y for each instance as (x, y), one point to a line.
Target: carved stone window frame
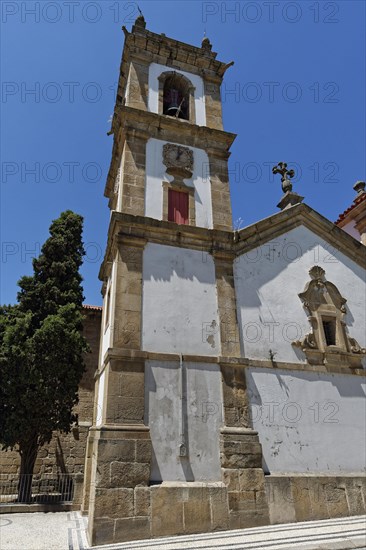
(323, 302)
(191, 89)
(182, 187)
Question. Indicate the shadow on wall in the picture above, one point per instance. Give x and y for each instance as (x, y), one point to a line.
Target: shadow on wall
(268, 281)
(182, 405)
(259, 266)
(346, 385)
(164, 263)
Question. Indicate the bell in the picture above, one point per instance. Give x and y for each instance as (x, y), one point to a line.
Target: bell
(172, 101)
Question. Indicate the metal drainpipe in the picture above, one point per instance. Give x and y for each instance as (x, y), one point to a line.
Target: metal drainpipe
(182, 445)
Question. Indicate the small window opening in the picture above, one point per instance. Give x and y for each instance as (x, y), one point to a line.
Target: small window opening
(330, 332)
(176, 97)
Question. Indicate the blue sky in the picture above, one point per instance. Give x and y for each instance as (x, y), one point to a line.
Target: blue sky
(295, 93)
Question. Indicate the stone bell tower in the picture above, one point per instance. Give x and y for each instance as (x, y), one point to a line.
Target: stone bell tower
(170, 414)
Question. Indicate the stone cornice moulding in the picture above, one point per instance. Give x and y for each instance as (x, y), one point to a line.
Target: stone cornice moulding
(166, 233)
(118, 428)
(216, 139)
(269, 228)
(120, 356)
(226, 243)
(159, 44)
(131, 123)
(131, 240)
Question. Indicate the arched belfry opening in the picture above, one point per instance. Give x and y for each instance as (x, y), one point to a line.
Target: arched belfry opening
(177, 96)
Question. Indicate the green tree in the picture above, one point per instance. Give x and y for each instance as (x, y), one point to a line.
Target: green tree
(42, 347)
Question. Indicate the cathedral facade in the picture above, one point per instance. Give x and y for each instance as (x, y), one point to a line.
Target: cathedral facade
(230, 386)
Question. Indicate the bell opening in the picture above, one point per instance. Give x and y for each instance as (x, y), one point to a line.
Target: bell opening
(175, 99)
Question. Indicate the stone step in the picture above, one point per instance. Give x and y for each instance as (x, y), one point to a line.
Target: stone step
(15, 508)
(337, 534)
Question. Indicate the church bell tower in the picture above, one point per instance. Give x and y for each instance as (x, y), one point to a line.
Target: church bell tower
(155, 462)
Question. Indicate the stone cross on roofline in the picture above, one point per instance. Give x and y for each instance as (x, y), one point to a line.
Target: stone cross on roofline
(281, 168)
(289, 198)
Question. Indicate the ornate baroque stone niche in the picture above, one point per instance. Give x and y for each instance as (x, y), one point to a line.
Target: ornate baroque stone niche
(328, 342)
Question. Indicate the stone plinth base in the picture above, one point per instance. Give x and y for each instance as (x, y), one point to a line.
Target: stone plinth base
(119, 503)
(172, 508)
(191, 507)
(241, 462)
(304, 497)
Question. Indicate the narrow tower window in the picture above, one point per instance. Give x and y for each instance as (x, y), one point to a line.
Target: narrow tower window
(178, 207)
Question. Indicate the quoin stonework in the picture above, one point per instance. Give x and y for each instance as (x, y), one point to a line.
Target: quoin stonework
(229, 390)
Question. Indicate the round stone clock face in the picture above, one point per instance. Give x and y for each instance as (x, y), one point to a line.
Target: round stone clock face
(171, 155)
(175, 155)
(183, 156)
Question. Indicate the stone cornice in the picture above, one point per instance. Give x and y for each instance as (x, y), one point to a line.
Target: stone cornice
(269, 228)
(135, 123)
(147, 47)
(172, 51)
(127, 226)
(226, 244)
(119, 357)
(166, 128)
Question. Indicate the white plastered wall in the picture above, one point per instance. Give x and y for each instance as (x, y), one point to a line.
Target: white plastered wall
(106, 330)
(191, 407)
(100, 402)
(351, 230)
(156, 174)
(179, 301)
(309, 422)
(155, 70)
(268, 280)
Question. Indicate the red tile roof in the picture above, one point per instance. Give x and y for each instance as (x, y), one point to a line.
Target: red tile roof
(92, 308)
(356, 202)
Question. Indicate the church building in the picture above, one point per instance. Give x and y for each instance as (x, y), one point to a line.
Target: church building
(230, 387)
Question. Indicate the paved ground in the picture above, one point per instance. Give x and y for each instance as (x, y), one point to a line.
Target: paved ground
(43, 531)
(66, 531)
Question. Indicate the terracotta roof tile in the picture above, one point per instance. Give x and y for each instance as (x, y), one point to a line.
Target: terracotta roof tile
(92, 308)
(356, 202)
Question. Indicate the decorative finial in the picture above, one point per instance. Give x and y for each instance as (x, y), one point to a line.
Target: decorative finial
(206, 44)
(317, 273)
(140, 20)
(281, 168)
(359, 187)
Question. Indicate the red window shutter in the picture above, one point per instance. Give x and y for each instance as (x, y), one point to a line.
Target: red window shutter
(177, 207)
